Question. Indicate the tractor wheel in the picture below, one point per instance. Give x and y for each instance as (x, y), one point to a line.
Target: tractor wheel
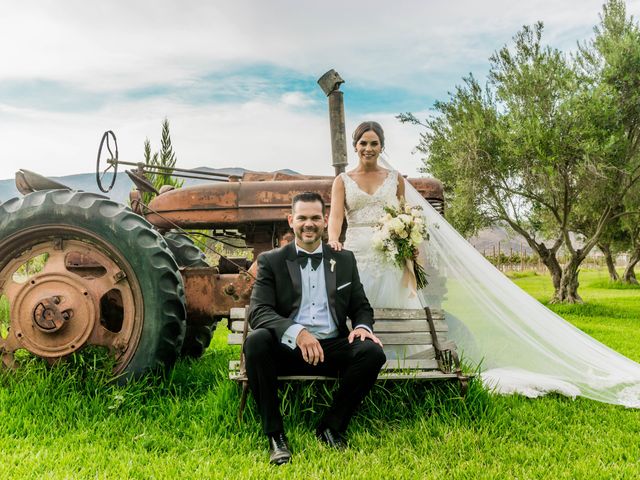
(197, 340)
(198, 336)
(185, 250)
(100, 276)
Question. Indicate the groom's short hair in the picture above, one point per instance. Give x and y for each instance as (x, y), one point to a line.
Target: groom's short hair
(307, 197)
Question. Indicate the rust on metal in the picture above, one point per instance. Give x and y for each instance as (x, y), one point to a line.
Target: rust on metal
(135, 200)
(48, 317)
(141, 182)
(330, 84)
(248, 202)
(211, 295)
(250, 176)
(119, 275)
(44, 327)
(59, 309)
(83, 265)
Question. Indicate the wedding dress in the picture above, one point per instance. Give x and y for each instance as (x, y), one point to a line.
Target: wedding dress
(382, 281)
(517, 344)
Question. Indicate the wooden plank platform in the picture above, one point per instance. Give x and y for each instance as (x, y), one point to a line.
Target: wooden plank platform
(396, 328)
(400, 330)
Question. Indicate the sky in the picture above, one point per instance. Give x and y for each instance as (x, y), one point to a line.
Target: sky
(237, 80)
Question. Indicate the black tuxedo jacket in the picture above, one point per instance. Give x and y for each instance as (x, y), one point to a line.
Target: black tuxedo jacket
(277, 293)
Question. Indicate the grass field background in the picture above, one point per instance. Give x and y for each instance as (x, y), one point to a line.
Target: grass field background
(68, 421)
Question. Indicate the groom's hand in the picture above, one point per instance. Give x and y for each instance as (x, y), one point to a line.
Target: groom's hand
(310, 347)
(363, 333)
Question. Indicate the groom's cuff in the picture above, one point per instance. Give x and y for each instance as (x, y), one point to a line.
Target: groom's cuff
(362, 325)
(290, 335)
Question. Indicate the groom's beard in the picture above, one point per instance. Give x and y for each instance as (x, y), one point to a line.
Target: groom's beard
(312, 239)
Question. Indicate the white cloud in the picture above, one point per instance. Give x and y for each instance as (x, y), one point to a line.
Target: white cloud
(126, 44)
(254, 135)
(115, 46)
(297, 99)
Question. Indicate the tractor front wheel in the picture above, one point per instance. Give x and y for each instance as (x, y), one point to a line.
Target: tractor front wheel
(77, 270)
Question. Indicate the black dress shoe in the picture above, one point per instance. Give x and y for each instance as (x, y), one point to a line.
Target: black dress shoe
(331, 438)
(279, 451)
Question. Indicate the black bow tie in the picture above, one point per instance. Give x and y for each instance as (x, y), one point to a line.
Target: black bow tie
(303, 257)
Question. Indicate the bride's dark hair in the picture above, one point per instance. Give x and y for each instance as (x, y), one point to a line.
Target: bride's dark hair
(368, 127)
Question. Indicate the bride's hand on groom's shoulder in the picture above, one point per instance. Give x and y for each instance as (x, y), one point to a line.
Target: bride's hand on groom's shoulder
(363, 333)
(335, 244)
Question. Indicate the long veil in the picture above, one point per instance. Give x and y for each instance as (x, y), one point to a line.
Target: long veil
(519, 345)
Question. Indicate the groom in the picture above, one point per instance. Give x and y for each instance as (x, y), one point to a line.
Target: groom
(299, 305)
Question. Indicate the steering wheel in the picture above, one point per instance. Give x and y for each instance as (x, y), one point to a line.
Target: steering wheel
(112, 161)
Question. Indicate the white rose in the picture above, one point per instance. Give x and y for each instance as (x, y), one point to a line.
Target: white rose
(416, 238)
(396, 225)
(406, 219)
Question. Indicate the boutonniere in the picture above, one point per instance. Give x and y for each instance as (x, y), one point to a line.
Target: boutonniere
(332, 262)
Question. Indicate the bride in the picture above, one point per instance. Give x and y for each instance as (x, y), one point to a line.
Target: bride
(363, 193)
(516, 343)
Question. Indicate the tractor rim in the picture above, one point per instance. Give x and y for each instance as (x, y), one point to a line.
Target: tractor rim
(61, 308)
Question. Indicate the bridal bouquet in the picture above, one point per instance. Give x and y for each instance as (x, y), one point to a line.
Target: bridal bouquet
(398, 234)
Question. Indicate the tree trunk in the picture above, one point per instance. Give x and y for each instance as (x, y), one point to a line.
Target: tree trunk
(629, 275)
(608, 258)
(547, 255)
(549, 259)
(567, 292)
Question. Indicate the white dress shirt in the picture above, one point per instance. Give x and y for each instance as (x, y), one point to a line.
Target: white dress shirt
(314, 314)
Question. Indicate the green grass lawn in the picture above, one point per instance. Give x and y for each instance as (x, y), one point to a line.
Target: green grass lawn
(69, 422)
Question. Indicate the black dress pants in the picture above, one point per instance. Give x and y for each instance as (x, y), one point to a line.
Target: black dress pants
(357, 364)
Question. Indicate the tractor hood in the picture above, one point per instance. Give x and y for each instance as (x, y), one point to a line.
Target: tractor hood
(264, 198)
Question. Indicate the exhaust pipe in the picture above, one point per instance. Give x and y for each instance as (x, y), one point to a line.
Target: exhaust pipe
(330, 83)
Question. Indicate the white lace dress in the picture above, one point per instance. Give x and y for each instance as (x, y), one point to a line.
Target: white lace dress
(382, 281)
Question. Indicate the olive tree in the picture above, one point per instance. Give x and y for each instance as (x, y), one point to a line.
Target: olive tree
(548, 146)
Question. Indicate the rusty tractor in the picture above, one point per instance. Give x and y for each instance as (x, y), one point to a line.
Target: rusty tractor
(78, 269)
